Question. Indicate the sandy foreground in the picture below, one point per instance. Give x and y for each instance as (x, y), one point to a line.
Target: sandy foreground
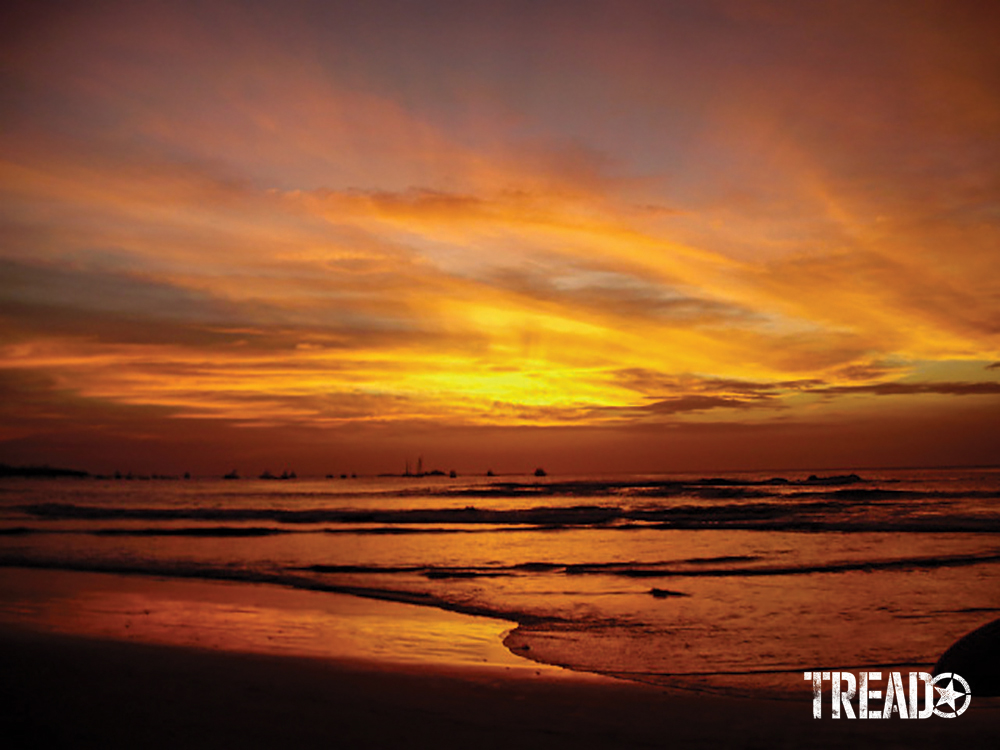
(92, 660)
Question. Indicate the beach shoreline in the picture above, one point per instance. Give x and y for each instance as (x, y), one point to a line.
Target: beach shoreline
(79, 690)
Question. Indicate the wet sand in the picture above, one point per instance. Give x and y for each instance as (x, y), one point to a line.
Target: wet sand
(63, 689)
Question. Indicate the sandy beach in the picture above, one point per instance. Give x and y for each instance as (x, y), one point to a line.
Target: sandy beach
(61, 688)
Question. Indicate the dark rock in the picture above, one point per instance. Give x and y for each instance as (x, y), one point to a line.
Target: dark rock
(976, 657)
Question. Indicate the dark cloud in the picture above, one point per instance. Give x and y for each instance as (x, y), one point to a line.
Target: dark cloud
(628, 416)
(705, 403)
(412, 201)
(651, 382)
(98, 304)
(904, 389)
(868, 371)
(32, 401)
(120, 307)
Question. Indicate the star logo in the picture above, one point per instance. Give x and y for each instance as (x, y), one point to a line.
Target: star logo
(954, 689)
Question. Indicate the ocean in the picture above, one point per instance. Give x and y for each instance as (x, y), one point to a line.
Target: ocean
(725, 583)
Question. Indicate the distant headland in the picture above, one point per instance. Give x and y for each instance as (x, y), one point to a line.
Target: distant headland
(43, 472)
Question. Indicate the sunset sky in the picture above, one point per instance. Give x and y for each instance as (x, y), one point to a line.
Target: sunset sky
(594, 236)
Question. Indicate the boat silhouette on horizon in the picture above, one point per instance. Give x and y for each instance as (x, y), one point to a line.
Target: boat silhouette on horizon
(266, 474)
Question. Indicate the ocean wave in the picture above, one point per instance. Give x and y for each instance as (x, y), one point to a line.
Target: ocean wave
(579, 515)
(316, 577)
(685, 568)
(852, 513)
(252, 531)
(908, 563)
(196, 531)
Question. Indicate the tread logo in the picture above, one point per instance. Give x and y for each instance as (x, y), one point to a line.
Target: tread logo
(947, 695)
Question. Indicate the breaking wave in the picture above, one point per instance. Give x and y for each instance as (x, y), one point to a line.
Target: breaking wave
(866, 510)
